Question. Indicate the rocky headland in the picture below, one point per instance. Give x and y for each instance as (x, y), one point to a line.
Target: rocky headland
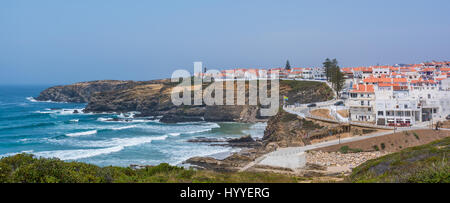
(153, 98)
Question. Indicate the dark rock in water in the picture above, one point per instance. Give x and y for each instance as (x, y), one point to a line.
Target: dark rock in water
(246, 138)
(245, 141)
(207, 140)
(76, 111)
(118, 120)
(242, 142)
(179, 119)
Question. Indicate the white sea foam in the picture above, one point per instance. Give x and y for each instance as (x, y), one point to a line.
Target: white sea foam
(128, 120)
(174, 134)
(64, 112)
(44, 112)
(109, 146)
(198, 131)
(145, 121)
(114, 142)
(181, 153)
(75, 120)
(15, 153)
(103, 119)
(256, 130)
(31, 99)
(124, 127)
(24, 140)
(91, 132)
(78, 153)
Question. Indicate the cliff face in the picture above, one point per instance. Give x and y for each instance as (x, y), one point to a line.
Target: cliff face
(82, 92)
(153, 98)
(287, 130)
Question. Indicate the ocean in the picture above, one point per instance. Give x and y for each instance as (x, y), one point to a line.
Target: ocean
(53, 130)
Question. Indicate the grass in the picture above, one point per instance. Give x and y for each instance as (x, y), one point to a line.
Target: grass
(24, 168)
(421, 164)
(326, 92)
(301, 85)
(287, 117)
(346, 149)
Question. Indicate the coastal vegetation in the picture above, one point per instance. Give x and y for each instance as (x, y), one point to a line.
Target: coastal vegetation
(25, 168)
(345, 150)
(421, 164)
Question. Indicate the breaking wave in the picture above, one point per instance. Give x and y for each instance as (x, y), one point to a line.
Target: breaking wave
(110, 146)
(124, 127)
(91, 132)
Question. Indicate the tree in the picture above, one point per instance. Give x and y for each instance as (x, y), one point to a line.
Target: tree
(338, 80)
(334, 75)
(328, 65)
(288, 65)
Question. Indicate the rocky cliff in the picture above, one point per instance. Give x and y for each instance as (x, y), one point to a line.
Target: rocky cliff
(153, 98)
(82, 92)
(287, 130)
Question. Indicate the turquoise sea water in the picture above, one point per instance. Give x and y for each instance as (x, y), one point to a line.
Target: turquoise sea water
(49, 129)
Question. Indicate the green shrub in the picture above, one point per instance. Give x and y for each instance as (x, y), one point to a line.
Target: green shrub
(375, 147)
(417, 136)
(383, 146)
(346, 149)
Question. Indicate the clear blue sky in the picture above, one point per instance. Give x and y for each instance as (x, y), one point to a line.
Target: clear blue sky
(60, 42)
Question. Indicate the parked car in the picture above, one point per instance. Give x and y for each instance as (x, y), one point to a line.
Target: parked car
(339, 103)
(448, 117)
(312, 105)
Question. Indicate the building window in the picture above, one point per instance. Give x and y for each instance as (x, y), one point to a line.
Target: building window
(380, 113)
(362, 103)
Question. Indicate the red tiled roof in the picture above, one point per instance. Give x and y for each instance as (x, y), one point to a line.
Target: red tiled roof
(400, 80)
(363, 88)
